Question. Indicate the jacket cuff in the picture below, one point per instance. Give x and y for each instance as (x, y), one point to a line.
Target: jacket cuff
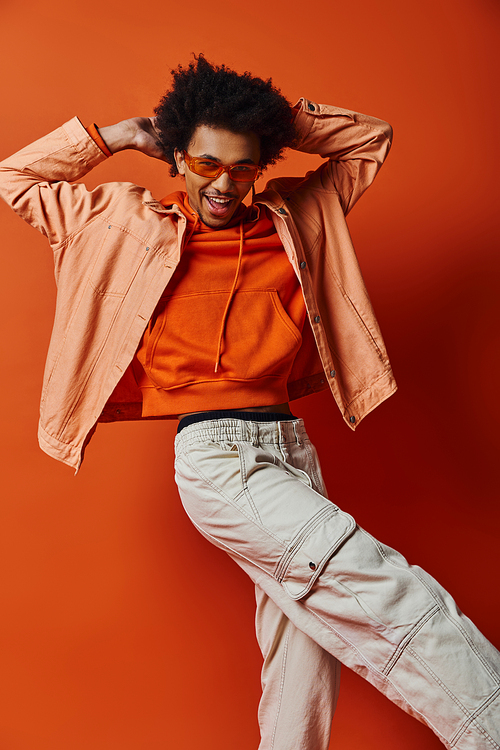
(83, 144)
(93, 131)
(303, 122)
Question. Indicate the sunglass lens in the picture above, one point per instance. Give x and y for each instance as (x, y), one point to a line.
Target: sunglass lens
(244, 174)
(207, 170)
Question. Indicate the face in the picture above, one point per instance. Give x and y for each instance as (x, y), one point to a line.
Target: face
(217, 200)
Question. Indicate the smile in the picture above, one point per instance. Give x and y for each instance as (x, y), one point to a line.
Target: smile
(218, 206)
(218, 199)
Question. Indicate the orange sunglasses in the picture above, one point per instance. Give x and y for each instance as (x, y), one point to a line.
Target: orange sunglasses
(213, 170)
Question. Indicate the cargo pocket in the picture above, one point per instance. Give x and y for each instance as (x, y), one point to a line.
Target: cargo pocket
(308, 552)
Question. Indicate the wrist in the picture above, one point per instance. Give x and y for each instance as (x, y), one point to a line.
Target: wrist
(119, 137)
(93, 131)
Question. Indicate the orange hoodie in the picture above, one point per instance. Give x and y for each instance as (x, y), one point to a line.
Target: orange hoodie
(228, 326)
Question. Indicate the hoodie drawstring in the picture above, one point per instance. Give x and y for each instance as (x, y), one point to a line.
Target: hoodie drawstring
(230, 299)
(191, 230)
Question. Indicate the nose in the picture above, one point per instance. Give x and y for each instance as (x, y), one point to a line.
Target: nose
(223, 183)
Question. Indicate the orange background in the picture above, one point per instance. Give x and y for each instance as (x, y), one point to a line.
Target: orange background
(121, 627)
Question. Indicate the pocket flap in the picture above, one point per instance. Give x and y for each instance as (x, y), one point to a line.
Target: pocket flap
(310, 550)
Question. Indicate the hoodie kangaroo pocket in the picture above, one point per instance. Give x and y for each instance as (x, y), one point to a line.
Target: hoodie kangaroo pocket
(259, 339)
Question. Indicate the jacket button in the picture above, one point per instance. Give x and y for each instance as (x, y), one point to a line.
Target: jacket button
(282, 211)
(311, 107)
(303, 264)
(147, 249)
(352, 420)
(312, 566)
(317, 319)
(332, 373)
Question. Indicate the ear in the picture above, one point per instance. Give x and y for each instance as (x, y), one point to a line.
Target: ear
(179, 161)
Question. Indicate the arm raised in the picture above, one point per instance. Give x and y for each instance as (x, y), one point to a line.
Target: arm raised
(40, 182)
(137, 133)
(356, 146)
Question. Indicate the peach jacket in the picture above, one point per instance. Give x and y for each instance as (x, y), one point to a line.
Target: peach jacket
(116, 247)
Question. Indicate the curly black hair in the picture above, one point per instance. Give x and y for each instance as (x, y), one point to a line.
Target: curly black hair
(214, 95)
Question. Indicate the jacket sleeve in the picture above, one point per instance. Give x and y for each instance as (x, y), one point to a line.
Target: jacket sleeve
(37, 182)
(355, 145)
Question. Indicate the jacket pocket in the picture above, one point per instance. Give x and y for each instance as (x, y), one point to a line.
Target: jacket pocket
(311, 548)
(117, 262)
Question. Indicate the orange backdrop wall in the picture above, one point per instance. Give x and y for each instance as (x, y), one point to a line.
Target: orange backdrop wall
(121, 627)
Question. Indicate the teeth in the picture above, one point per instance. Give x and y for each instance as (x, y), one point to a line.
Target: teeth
(218, 200)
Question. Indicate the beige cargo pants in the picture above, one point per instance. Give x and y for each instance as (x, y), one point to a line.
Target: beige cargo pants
(327, 590)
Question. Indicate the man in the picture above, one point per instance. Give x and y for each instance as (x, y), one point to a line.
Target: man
(203, 308)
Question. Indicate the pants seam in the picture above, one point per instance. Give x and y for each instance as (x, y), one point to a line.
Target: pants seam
(405, 643)
(235, 505)
(431, 593)
(248, 495)
(469, 717)
(473, 721)
(444, 687)
(484, 734)
(312, 467)
(373, 669)
(230, 550)
(282, 687)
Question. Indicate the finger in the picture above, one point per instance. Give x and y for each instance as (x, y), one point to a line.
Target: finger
(153, 120)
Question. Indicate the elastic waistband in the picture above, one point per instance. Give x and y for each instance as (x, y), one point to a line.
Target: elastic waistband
(249, 416)
(280, 432)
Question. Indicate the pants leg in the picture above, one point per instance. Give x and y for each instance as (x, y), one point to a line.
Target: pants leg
(249, 488)
(300, 680)
(300, 683)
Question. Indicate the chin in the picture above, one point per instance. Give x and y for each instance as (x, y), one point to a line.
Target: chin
(214, 223)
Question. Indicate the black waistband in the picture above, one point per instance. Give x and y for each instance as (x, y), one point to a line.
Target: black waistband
(251, 416)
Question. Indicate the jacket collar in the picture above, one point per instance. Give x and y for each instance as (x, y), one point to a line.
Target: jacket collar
(155, 205)
(270, 198)
(273, 200)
